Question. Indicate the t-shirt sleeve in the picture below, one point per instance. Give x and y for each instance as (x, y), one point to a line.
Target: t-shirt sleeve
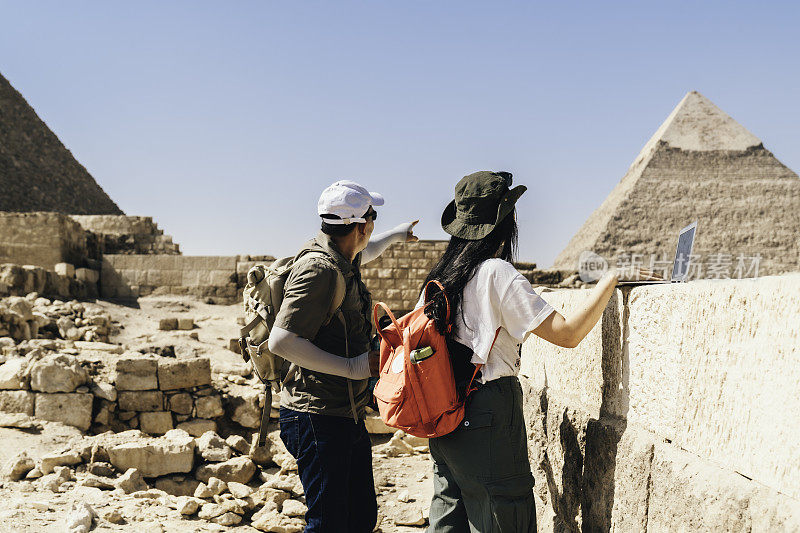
(307, 298)
(522, 310)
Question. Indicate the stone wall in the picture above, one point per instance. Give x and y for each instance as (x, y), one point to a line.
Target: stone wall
(43, 239)
(120, 234)
(675, 413)
(130, 276)
(396, 277)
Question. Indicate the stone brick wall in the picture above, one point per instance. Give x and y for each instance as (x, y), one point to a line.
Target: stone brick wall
(42, 239)
(120, 234)
(674, 413)
(130, 276)
(396, 277)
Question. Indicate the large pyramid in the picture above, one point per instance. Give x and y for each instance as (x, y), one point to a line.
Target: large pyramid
(700, 165)
(37, 172)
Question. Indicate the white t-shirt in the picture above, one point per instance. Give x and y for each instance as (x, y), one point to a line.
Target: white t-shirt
(498, 296)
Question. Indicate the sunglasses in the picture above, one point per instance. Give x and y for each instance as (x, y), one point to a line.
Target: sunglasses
(371, 214)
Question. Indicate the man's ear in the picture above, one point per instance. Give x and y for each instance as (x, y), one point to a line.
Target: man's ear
(362, 228)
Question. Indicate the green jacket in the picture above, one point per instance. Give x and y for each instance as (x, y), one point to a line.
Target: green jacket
(308, 293)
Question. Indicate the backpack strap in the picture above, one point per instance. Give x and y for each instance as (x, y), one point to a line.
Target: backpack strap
(470, 388)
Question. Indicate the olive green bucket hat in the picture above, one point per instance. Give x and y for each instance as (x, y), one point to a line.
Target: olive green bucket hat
(483, 200)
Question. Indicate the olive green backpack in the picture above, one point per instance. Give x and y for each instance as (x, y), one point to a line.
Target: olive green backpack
(262, 298)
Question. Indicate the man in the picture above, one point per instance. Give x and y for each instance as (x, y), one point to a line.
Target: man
(322, 405)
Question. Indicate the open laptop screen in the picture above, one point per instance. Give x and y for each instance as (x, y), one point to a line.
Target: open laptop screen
(680, 268)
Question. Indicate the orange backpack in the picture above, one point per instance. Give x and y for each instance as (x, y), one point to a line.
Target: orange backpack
(419, 398)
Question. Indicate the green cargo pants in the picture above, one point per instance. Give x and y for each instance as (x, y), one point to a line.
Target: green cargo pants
(482, 479)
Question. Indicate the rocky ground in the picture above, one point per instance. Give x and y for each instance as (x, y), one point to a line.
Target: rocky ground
(58, 478)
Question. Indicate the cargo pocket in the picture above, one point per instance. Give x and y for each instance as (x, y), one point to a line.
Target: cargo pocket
(512, 505)
(468, 449)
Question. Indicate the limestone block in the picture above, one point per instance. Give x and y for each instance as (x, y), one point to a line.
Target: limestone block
(208, 407)
(131, 481)
(88, 275)
(184, 373)
(241, 404)
(72, 409)
(689, 494)
(156, 422)
(186, 323)
(168, 324)
(57, 373)
(51, 460)
(17, 401)
(197, 426)
(12, 374)
(238, 469)
(177, 485)
(181, 403)
(154, 457)
(65, 269)
(713, 367)
(141, 400)
(213, 448)
(591, 373)
(136, 374)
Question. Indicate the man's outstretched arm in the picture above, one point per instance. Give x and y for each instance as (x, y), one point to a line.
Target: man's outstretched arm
(379, 243)
(304, 354)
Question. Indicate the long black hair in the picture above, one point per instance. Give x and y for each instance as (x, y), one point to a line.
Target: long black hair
(460, 262)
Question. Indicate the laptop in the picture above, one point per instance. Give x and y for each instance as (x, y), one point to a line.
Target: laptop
(680, 266)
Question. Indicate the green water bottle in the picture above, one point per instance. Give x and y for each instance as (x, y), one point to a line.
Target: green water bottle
(420, 354)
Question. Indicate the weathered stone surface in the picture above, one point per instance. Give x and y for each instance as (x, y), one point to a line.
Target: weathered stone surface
(196, 427)
(12, 374)
(712, 367)
(17, 420)
(105, 391)
(688, 494)
(168, 324)
(268, 498)
(136, 374)
(208, 407)
(131, 481)
(241, 405)
(590, 374)
(294, 508)
(238, 469)
(181, 403)
(17, 401)
(57, 373)
(631, 483)
(238, 443)
(145, 400)
(213, 448)
(52, 460)
(273, 521)
(18, 466)
(64, 269)
(178, 485)
(72, 409)
(153, 457)
(184, 373)
(239, 490)
(156, 422)
(376, 426)
(185, 323)
(187, 505)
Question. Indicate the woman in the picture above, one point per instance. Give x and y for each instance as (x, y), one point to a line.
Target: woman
(482, 477)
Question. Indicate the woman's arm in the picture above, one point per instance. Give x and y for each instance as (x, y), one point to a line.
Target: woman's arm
(569, 332)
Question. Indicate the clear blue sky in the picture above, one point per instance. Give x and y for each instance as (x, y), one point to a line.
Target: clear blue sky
(225, 120)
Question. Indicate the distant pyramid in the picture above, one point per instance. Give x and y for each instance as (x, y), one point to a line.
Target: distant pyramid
(37, 173)
(700, 165)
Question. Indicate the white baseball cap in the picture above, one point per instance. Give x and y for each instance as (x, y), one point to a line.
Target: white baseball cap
(348, 200)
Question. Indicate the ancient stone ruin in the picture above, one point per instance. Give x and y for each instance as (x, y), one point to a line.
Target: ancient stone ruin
(123, 404)
(37, 173)
(700, 165)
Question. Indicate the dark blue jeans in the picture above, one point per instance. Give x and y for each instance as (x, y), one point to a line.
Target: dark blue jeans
(334, 460)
